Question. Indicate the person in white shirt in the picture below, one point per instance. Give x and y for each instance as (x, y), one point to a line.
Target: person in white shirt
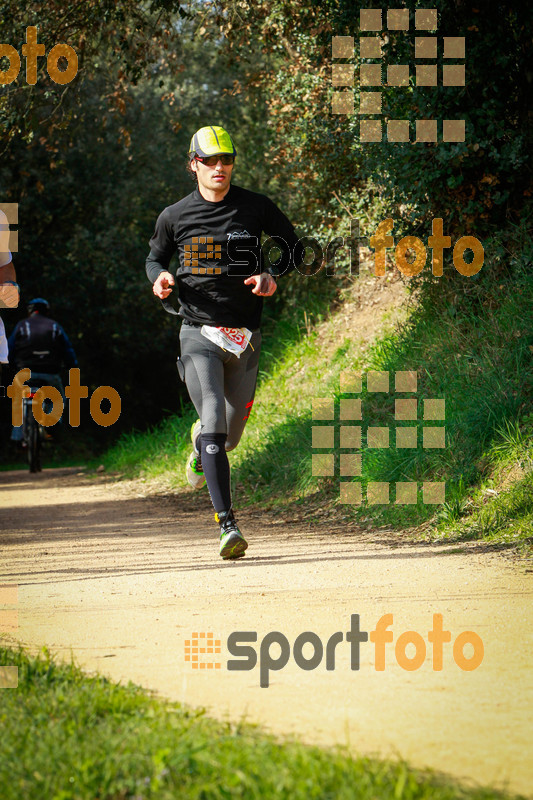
(7, 276)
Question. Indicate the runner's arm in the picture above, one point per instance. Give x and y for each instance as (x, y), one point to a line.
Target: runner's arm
(7, 270)
(276, 225)
(162, 248)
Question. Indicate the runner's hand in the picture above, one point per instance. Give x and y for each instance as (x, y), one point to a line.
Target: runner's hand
(163, 285)
(264, 284)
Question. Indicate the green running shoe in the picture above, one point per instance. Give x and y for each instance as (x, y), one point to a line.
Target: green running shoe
(232, 542)
(196, 429)
(194, 472)
(193, 469)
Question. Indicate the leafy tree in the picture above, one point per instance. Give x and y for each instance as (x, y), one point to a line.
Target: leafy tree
(93, 162)
(91, 180)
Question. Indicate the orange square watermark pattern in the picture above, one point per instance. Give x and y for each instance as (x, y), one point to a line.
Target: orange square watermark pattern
(200, 650)
(347, 451)
(8, 624)
(201, 247)
(372, 22)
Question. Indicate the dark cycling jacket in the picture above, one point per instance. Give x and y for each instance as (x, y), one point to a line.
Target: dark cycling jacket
(40, 344)
(218, 246)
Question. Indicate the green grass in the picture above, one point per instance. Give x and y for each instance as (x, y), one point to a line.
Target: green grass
(481, 365)
(66, 736)
(501, 507)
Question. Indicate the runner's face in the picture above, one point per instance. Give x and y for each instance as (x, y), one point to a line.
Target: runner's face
(216, 179)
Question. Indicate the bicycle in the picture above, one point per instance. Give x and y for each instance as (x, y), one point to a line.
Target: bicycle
(33, 434)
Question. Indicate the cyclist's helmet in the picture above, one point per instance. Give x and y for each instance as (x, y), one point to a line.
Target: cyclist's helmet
(211, 141)
(38, 304)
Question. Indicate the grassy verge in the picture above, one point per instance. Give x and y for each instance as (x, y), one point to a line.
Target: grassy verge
(66, 736)
(501, 507)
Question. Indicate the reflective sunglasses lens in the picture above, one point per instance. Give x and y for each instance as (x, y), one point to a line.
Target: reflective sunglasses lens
(212, 161)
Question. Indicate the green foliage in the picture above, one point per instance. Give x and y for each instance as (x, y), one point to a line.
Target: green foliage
(122, 35)
(472, 185)
(93, 163)
(66, 736)
(480, 363)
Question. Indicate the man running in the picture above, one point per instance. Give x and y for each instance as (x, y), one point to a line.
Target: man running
(221, 282)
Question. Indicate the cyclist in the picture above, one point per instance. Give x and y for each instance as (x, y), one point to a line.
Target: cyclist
(221, 282)
(40, 344)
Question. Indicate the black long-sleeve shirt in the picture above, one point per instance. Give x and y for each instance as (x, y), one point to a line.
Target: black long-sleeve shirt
(219, 245)
(41, 344)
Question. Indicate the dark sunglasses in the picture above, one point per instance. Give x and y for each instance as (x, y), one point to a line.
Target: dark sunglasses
(212, 161)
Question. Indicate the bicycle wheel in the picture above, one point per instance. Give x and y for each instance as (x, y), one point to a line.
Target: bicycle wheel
(34, 444)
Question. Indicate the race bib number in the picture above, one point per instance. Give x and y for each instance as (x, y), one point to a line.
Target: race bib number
(234, 340)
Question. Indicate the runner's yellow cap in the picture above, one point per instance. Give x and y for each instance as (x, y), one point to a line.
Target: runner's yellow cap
(211, 141)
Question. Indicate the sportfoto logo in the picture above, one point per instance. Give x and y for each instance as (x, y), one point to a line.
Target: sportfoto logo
(31, 50)
(75, 391)
(412, 245)
(410, 253)
(275, 649)
(201, 247)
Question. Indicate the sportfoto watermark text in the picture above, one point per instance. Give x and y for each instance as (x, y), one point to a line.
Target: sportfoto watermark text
(31, 50)
(275, 649)
(18, 390)
(410, 254)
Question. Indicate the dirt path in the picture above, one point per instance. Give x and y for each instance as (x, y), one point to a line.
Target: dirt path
(122, 581)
